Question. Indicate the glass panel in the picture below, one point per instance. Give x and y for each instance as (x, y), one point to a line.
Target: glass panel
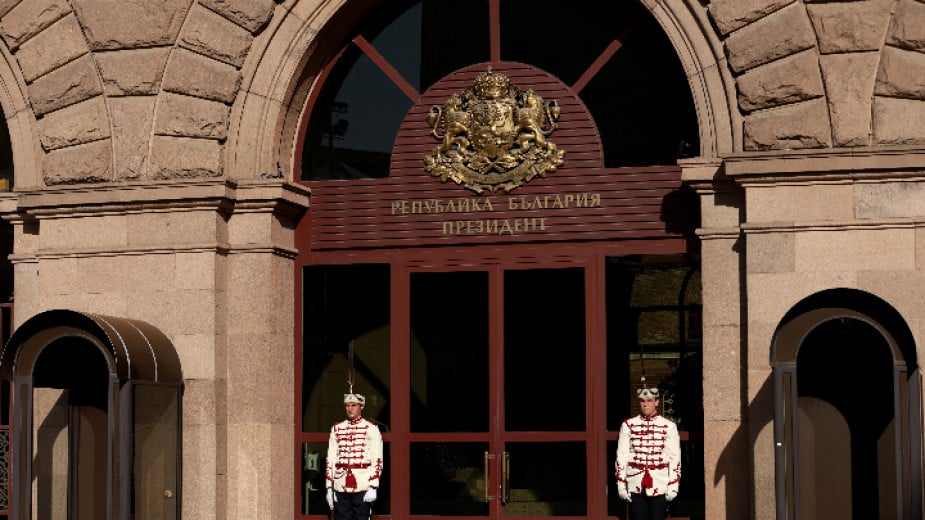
(6, 157)
(354, 122)
(547, 479)
(359, 109)
(449, 478)
(156, 451)
(544, 350)
(314, 458)
(449, 352)
(345, 305)
(653, 327)
(646, 120)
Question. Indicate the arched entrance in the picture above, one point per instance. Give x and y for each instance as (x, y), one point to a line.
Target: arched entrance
(847, 410)
(493, 285)
(96, 418)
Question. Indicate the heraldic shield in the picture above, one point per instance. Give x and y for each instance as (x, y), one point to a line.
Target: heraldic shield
(494, 136)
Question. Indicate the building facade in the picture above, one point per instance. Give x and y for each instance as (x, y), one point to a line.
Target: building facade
(490, 217)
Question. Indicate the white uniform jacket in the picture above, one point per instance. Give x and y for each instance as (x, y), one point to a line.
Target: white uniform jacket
(354, 461)
(649, 456)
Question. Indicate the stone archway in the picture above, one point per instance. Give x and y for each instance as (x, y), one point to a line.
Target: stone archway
(847, 410)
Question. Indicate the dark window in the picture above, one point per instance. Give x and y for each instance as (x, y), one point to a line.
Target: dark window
(639, 99)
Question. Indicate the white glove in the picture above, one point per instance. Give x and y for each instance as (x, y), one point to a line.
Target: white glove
(624, 493)
(669, 496)
(370, 495)
(331, 497)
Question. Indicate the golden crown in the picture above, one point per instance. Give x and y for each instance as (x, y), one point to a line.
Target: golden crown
(491, 84)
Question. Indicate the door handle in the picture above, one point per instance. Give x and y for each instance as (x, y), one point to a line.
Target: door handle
(488, 457)
(505, 477)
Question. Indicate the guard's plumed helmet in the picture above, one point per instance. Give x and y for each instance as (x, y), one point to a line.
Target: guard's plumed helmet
(354, 399)
(646, 391)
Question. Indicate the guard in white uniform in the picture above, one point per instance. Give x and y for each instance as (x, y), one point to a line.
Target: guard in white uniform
(648, 467)
(354, 463)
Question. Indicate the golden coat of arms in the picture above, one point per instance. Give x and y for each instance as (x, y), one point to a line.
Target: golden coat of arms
(494, 136)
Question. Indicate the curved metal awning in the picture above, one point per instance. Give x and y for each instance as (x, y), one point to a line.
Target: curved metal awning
(135, 350)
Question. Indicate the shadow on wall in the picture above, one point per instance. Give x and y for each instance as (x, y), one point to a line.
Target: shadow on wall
(734, 464)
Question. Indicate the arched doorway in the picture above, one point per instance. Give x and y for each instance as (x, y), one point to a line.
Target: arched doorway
(496, 327)
(847, 410)
(96, 418)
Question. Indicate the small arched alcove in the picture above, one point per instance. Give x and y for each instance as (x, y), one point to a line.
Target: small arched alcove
(96, 418)
(847, 421)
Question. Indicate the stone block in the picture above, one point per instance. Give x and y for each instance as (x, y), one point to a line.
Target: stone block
(186, 116)
(850, 27)
(131, 23)
(722, 359)
(903, 290)
(920, 248)
(722, 289)
(216, 37)
(900, 74)
(887, 200)
(199, 76)
(86, 234)
(132, 72)
(85, 163)
(195, 228)
(131, 124)
(898, 121)
(785, 32)
(769, 252)
(6, 5)
(192, 311)
(27, 19)
(801, 125)
(808, 203)
(849, 83)
(197, 354)
(84, 122)
(760, 341)
(730, 15)
(788, 80)
(771, 295)
(60, 43)
(907, 29)
(726, 469)
(196, 270)
(856, 250)
(253, 15)
(68, 85)
(183, 158)
(59, 276)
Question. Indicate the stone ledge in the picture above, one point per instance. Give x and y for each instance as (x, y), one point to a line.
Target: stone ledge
(830, 164)
(111, 197)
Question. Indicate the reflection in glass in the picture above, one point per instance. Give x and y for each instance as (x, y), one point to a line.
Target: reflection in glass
(346, 307)
(314, 458)
(547, 479)
(544, 350)
(654, 327)
(448, 478)
(449, 352)
(156, 448)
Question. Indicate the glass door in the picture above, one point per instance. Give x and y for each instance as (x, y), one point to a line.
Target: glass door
(499, 406)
